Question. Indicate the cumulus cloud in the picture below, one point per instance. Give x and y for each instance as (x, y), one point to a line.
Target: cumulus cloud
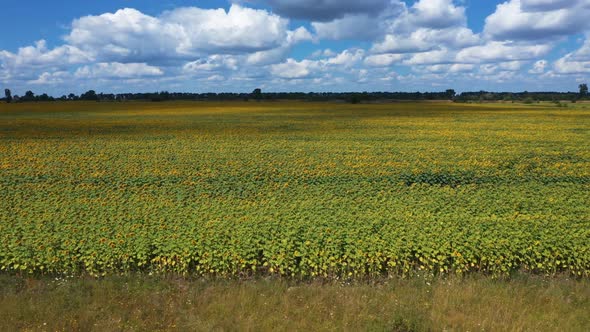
(577, 62)
(131, 36)
(539, 67)
(431, 22)
(502, 52)
(52, 78)
(537, 19)
(436, 14)
(567, 66)
(326, 53)
(429, 26)
(116, 70)
(211, 63)
(423, 39)
(240, 46)
(432, 57)
(445, 69)
(461, 67)
(40, 56)
(347, 58)
(382, 60)
(359, 25)
(292, 69)
(403, 44)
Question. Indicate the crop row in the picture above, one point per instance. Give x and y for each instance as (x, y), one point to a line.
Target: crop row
(304, 249)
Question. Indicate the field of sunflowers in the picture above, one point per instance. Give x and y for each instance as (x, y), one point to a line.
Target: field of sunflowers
(300, 190)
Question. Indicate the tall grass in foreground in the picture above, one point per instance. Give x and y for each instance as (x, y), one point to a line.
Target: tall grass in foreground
(144, 303)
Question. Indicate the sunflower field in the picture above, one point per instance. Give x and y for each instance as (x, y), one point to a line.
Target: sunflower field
(298, 190)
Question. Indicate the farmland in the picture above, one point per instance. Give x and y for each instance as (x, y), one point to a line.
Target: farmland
(294, 216)
(297, 190)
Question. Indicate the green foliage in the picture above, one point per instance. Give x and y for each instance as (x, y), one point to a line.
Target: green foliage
(528, 100)
(298, 190)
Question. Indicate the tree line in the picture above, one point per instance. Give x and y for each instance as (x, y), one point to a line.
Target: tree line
(351, 97)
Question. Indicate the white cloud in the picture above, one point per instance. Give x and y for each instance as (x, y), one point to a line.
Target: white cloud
(423, 39)
(300, 34)
(437, 14)
(511, 65)
(566, 66)
(461, 67)
(326, 53)
(230, 49)
(502, 52)
(292, 69)
(500, 67)
(539, 67)
(40, 56)
(52, 78)
(211, 63)
(432, 57)
(347, 58)
(537, 19)
(216, 78)
(577, 62)
(115, 70)
(131, 36)
(427, 26)
(382, 60)
(343, 61)
(268, 57)
(401, 44)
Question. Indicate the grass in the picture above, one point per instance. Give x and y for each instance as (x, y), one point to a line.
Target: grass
(144, 303)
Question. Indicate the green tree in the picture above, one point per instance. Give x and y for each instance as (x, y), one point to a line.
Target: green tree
(29, 96)
(450, 93)
(89, 95)
(583, 90)
(257, 94)
(8, 95)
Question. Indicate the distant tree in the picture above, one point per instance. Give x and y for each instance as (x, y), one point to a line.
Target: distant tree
(29, 96)
(89, 95)
(45, 97)
(450, 93)
(72, 96)
(8, 95)
(257, 94)
(354, 98)
(583, 90)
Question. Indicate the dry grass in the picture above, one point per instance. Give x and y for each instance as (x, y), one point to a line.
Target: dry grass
(145, 303)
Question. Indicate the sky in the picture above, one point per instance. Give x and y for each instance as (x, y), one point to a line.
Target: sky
(116, 46)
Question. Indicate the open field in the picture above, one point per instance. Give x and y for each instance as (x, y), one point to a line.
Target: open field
(294, 189)
(294, 216)
(141, 303)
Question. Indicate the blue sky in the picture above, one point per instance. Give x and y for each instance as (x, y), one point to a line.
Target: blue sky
(58, 47)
